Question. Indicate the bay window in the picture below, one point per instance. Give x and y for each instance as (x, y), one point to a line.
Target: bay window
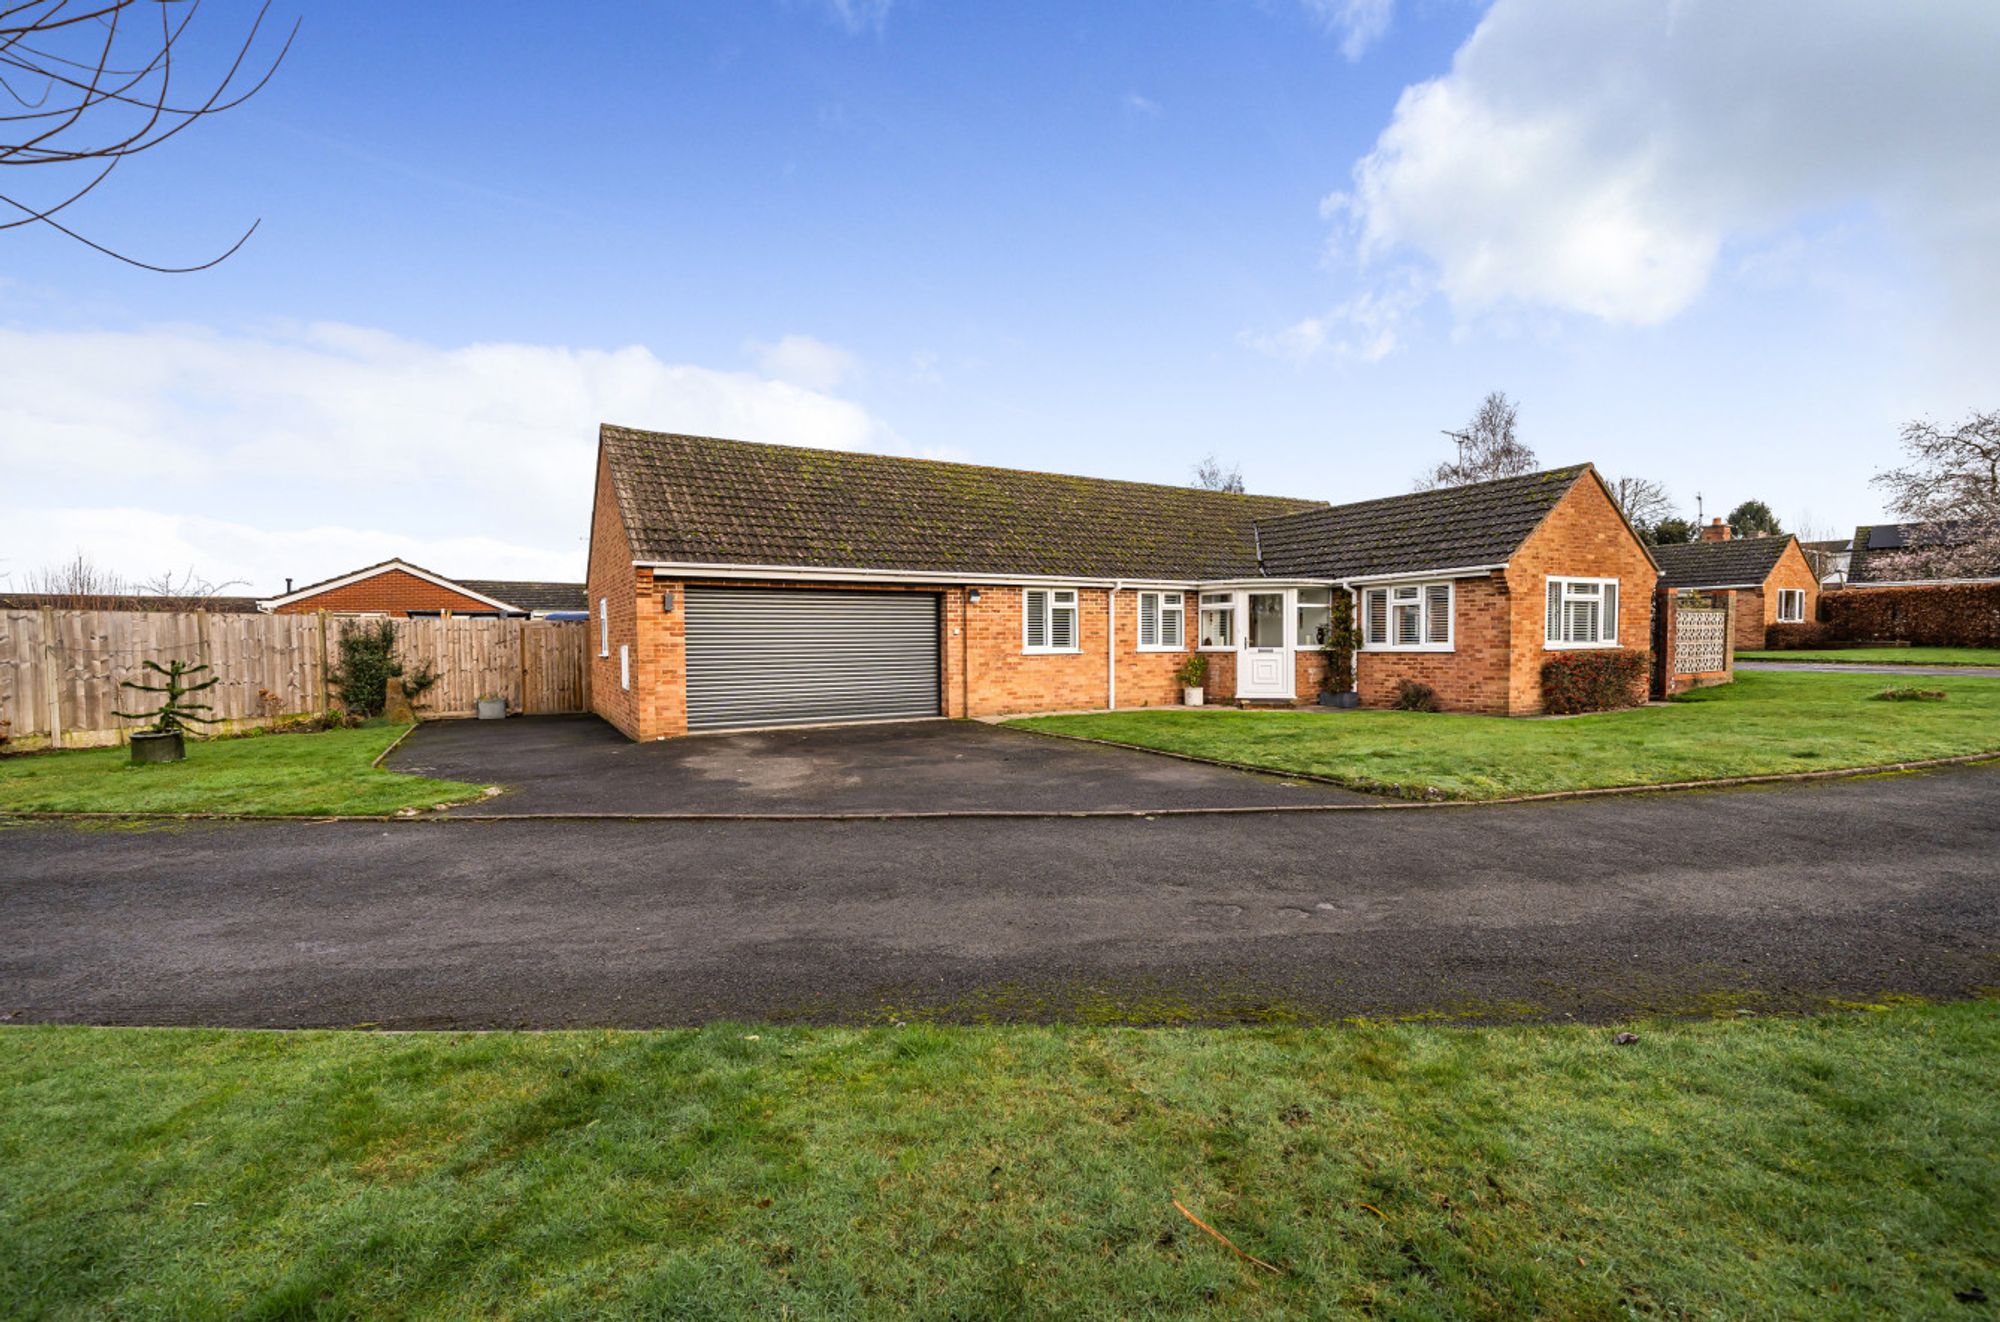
(1048, 620)
(1162, 621)
(1407, 617)
(1218, 621)
(1582, 612)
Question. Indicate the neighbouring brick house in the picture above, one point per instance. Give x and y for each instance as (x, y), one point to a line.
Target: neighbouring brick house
(1771, 578)
(398, 589)
(735, 585)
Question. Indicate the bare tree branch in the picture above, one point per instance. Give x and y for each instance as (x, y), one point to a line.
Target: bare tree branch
(1948, 494)
(1210, 475)
(1487, 448)
(94, 88)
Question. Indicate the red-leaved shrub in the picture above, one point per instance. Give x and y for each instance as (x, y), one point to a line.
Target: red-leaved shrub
(1596, 680)
(1412, 696)
(1791, 637)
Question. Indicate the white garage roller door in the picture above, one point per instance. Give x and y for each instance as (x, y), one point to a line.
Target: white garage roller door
(778, 656)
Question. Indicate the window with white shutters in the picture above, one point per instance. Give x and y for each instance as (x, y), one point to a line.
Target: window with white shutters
(1048, 620)
(1162, 622)
(1582, 612)
(1408, 617)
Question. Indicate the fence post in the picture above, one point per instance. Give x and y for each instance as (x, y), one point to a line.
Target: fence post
(51, 683)
(325, 700)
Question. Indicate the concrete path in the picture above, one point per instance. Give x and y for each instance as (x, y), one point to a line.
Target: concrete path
(1840, 668)
(1767, 898)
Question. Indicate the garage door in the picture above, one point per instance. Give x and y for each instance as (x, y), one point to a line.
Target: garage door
(775, 656)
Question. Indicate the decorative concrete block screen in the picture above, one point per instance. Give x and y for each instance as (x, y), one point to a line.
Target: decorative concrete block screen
(1701, 641)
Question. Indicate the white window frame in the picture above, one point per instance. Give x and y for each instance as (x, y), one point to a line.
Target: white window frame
(1299, 606)
(1165, 605)
(604, 626)
(1052, 601)
(1424, 602)
(624, 666)
(1226, 604)
(1602, 643)
(1786, 595)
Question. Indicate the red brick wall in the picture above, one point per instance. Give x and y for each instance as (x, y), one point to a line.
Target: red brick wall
(1793, 570)
(1583, 537)
(1003, 680)
(392, 592)
(612, 580)
(1472, 677)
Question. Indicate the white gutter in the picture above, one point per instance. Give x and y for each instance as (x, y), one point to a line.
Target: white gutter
(933, 577)
(1920, 583)
(1407, 575)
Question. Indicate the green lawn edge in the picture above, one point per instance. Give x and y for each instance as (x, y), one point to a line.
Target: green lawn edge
(1883, 656)
(1838, 1165)
(327, 773)
(1766, 724)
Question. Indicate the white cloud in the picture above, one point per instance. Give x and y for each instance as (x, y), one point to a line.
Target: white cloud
(1366, 328)
(859, 16)
(1595, 156)
(1358, 23)
(804, 361)
(307, 451)
(1141, 105)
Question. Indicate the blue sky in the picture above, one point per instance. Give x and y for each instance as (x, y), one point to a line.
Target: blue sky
(1729, 252)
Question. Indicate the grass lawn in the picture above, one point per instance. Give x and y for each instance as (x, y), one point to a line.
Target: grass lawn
(1840, 1166)
(1764, 722)
(326, 772)
(1886, 656)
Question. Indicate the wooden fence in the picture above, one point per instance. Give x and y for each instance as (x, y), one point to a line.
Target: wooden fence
(61, 670)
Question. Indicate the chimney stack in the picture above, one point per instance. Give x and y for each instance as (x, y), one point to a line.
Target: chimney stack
(1718, 531)
(288, 587)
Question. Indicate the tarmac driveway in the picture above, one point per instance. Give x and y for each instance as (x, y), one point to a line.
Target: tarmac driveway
(578, 764)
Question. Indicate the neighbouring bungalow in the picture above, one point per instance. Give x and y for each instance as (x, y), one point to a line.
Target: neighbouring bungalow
(737, 585)
(1771, 577)
(1870, 564)
(397, 589)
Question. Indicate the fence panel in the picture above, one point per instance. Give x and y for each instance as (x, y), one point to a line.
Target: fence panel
(62, 671)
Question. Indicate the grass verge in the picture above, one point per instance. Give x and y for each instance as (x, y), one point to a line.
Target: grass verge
(1828, 1167)
(1764, 723)
(327, 772)
(1885, 656)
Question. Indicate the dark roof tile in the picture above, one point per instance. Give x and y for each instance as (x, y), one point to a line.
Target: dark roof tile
(530, 596)
(1739, 562)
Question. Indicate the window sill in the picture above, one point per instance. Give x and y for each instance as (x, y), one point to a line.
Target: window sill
(1051, 651)
(1143, 647)
(1413, 647)
(1581, 647)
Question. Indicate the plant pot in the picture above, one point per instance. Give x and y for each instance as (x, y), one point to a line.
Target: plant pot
(1190, 696)
(492, 709)
(1343, 700)
(149, 746)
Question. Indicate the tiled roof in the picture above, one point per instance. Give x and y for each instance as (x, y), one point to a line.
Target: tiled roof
(1870, 540)
(1738, 562)
(531, 596)
(1447, 528)
(126, 602)
(699, 500)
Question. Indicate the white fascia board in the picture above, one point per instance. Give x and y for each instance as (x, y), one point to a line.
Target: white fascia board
(373, 571)
(1921, 583)
(928, 577)
(1423, 575)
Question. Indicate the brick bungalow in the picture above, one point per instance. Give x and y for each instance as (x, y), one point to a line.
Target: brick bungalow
(1773, 580)
(735, 585)
(400, 590)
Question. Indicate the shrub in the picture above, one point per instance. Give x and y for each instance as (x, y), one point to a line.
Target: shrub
(1412, 696)
(1193, 670)
(1790, 637)
(367, 664)
(1595, 680)
(1338, 650)
(1907, 694)
(1933, 615)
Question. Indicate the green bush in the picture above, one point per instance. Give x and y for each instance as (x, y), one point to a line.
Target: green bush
(367, 664)
(1595, 680)
(1908, 694)
(1412, 696)
(1339, 647)
(1193, 671)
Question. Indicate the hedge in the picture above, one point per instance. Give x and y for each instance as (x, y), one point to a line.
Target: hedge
(1783, 637)
(1595, 680)
(1944, 615)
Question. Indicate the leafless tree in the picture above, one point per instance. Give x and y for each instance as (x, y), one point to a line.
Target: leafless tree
(1210, 475)
(1949, 489)
(75, 583)
(1643, 501)
(85, 84)
(185, 591)
(1487, 448)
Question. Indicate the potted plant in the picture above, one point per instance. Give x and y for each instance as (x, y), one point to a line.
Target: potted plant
(492, 707)
(163, 740)
(1337, 675)
(1192, 673)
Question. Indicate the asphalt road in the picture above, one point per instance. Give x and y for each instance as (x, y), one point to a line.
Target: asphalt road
(1769, 898)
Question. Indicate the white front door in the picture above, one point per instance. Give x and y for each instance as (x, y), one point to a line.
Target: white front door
(1264, 667)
